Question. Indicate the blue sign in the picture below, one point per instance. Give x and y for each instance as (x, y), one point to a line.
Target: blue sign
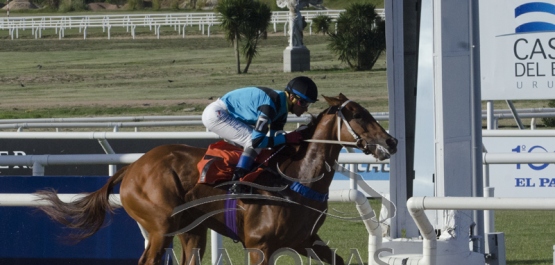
(29, 237)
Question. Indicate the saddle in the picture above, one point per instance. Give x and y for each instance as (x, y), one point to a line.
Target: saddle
(220, 161)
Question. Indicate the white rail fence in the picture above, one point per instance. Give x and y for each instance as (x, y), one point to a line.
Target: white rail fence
(118, 122)
(130, 122)
(39, 161)
(32, 200)
(417, 205)
(362, 205)
(137, 122)
(154, 22)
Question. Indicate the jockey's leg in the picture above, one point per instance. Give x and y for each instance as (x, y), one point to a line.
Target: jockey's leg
(244, 166)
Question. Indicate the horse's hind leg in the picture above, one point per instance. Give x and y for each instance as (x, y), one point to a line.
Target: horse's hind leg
(193, 245)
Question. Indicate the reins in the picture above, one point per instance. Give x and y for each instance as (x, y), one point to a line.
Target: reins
(330, 142)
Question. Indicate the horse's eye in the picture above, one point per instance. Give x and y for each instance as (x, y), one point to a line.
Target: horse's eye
(357, 115)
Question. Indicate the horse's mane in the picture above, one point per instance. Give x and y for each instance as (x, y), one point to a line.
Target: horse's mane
(311, 126)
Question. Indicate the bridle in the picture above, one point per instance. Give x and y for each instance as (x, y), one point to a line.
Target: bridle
(358, 140)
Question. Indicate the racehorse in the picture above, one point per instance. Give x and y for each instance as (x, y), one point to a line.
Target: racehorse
(165, 178)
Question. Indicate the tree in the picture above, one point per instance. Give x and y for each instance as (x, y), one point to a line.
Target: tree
(360, 37)
(245, 23)
(322, 24)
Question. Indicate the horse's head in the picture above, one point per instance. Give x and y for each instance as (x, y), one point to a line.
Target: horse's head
(355, 124)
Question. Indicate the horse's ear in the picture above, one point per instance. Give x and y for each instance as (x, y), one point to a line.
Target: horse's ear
(332, 101)
(342, 97)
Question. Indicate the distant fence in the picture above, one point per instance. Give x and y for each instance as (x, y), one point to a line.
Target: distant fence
(176, 21)
(137, 122)
(117, 122)
(131, 122)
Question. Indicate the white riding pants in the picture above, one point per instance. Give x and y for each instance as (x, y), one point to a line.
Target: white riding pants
(216, 119)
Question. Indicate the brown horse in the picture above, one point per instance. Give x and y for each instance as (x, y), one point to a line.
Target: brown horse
(165, 178)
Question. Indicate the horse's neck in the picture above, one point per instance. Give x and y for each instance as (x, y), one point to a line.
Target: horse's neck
(320, 158)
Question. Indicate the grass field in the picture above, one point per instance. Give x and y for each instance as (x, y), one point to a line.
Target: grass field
(529, 237)
(170, 76)
(174, 76)
(345, 236)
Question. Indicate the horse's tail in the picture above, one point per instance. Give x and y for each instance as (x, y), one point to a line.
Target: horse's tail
(86, 215)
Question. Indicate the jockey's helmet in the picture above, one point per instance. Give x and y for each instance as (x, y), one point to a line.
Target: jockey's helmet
(304, 88)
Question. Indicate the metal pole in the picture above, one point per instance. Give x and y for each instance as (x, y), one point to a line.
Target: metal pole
(352, 168)
(489, 217)
(490, 119)
(38, 169)
(478, 181)
(216, 245)
(515, 114)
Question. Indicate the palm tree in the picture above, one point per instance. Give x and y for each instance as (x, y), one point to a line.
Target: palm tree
(231, 20)
(322, 24)
(360, 37)
(255, 26)
(244, 22)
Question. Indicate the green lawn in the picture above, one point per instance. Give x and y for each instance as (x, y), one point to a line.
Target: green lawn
(348, 237)
(529, 236)
(70, 77)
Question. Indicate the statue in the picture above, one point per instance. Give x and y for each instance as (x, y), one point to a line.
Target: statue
(296, 57)
(297, 22)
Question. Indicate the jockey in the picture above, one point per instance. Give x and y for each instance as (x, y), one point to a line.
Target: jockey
(244, 116)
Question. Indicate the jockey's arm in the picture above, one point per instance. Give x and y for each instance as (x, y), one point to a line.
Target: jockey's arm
(260, 139)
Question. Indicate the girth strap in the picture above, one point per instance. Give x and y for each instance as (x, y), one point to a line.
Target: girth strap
(231, 219)
(308, 192)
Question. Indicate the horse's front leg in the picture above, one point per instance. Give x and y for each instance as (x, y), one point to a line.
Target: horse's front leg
(193, 246)
(315, 248)
(257, 256)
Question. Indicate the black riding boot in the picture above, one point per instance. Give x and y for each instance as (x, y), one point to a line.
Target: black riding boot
(237, 175)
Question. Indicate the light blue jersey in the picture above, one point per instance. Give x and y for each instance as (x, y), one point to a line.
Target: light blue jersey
(260, 107)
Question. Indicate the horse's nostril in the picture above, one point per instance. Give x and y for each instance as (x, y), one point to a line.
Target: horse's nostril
(391, 142)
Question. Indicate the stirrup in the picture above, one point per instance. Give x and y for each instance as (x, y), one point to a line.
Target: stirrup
(240, 189)
(234, 189)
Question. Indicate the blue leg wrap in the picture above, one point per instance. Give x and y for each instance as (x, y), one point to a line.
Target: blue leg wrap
(245, 162)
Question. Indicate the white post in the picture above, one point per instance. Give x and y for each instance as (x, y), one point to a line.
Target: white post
(215, 246)
(352, 167)
(108, 150)
(38, 169)
(489, 217)
(490, 119)
(365, 210)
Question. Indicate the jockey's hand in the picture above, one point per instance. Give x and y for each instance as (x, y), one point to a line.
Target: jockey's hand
(294, 137)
